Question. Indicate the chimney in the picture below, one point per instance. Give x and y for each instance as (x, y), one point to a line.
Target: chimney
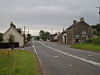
(63, 30)
(82, 19)
(12, 25)
(74, 21)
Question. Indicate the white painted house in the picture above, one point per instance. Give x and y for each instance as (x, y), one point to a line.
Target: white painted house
(16, 32)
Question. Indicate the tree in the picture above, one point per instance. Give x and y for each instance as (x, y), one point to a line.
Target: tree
(11, 38)
(29, 37)
(41, 33)
(37, 38)
(44, 35)
(1, 37)
(97, 28)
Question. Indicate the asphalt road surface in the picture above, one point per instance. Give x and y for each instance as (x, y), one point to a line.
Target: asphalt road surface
(59, 59)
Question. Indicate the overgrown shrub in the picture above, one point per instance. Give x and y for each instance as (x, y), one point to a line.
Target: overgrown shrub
(94, 40)
(88, 41)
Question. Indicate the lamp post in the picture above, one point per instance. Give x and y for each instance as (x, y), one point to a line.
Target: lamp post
(99, 13)
(24, 36)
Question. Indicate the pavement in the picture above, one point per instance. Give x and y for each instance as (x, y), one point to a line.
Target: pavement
(59, 59)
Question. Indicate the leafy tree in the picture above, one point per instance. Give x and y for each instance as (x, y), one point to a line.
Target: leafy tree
(1, 37)
(37, 38)
(44, 35)
(41, 33)
(11, 38)
(97, 28)
(29, 37)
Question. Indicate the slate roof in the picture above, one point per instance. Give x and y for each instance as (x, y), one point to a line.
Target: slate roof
(78, 23)
(14, 30)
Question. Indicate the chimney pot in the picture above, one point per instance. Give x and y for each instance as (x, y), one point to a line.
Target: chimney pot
(81, 19)
(74, 21)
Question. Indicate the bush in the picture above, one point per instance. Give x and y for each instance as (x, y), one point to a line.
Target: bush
(88, 41)
(94, 40)
(87, 46)
(37, 38)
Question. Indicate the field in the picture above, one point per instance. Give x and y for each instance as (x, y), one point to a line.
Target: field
(18, 62)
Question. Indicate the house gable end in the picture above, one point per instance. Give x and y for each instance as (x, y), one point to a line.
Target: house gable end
(14, 30)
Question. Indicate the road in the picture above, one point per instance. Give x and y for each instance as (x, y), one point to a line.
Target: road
(59, 59)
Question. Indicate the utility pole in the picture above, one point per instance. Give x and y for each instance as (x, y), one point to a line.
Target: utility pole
(28, 31)
(99, 13)
(24, 36)
(51, 30)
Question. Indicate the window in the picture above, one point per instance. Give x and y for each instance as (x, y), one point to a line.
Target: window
(77, 36)
(83, 32)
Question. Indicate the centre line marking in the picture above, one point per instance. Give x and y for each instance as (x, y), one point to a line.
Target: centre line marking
(56, 56)
(82, 59)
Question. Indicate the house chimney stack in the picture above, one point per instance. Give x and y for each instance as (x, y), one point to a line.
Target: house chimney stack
(82, 19)
(12, 25)
(74, 21)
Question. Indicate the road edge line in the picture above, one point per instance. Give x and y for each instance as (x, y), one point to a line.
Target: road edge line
(41, 64)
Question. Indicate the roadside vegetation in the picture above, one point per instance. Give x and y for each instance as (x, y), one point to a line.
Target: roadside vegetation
(97, 29)
(1, 37)
(43, 35)
(18, 62)
(92, 44)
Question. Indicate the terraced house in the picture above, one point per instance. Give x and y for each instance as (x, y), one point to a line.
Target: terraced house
(78, 32)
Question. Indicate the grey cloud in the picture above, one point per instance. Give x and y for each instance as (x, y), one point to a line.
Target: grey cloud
(46, 13)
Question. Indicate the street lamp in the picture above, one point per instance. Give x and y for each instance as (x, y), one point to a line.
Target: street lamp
(99, 13)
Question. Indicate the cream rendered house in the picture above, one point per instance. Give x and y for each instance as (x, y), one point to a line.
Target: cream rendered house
(16, 32)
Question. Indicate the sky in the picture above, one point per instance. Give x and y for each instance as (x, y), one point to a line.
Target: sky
(48, 15)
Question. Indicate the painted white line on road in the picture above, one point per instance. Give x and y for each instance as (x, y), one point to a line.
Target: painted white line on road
(34, 49)
(70, 65)
(82, 59)
(88, 52)
(56, 56)
(90, 55)
(43, 69)
(78, 49)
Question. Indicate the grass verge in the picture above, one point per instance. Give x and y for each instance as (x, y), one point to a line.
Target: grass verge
(18, 62)
(87, 46)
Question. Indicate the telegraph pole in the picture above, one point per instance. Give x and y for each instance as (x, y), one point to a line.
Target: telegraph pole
(24, 36)
(99, 13)
(28, 31)
(51, 30)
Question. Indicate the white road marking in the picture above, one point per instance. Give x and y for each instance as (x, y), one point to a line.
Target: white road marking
(70, 65)
(83, 50)
(43, 69)
(56, 56)
(80, 50)
(34, 49)
(82, 59)
(89, 52)
(90, 55)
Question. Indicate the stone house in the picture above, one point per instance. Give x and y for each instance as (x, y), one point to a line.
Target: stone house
(58, 37)
(17, 34)
(78, 32)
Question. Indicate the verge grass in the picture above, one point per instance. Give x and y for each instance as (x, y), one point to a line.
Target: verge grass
(18, 62)
(87, 46)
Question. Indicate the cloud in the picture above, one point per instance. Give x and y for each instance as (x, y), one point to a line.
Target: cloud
(46, 14)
